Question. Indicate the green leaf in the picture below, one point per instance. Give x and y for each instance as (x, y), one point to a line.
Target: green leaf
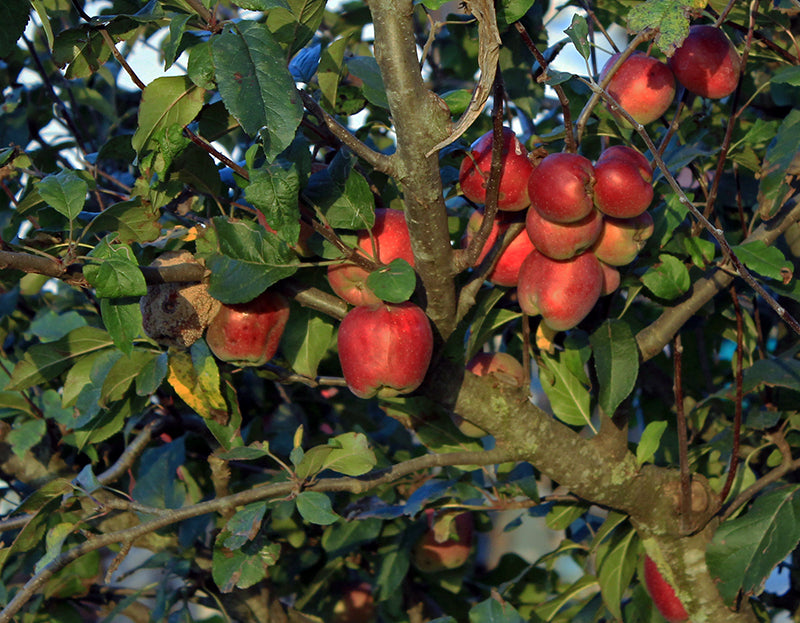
(616, 360)
(123, 321)
(346, 536)
(249, 262)
(43, 362)
(306, 339)
(569, 397)
(773, 187)
(256, 450)
(343, 196)
(131, 221)
(51, 325)
(394, 283)
(510, 11)
(65, 192)
(616, 561)
(295, 25)
(393, 569)
(166, 102)
(767, 261)
(114, 272)
(578, 32)
(351, 455)
(787, 75)
(668, 18)
(25, 435)
(14, 14)
(668, 279)
(330, 71)
(315, 507)
(649, 442)
(242, 568)
(54, 541)
(772, 373)
(745, 550)
(123, 374)
(584, 585)
(244, 525)
(563, 515)
(366, 68)
(274, 189)
(492, 611)
(256, 85)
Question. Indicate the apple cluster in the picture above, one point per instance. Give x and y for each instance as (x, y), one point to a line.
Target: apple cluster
(706, 64)
(582, 222)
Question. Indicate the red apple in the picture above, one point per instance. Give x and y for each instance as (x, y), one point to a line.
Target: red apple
(622, 238)
(560, 188)
(391, 241)
(446, 544)
(562, 291)
(623, 184)
(516, 168)
(561, 241)
(663, 594)
(707, 63)
(357, 605)
(249, 333)
(643, 86)
(611, 279)
(502, 365)
(506, 269)
(385, 350)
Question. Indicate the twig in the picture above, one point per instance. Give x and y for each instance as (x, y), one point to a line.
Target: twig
(683, 439)
(737, 418)
(210, 149)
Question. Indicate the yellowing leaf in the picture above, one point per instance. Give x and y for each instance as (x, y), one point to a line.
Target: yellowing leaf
(198, 388)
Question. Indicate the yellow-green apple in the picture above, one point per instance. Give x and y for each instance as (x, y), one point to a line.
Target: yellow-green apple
(623, 182)
(662, 594)
(643, 86)
(516, 168)
(385, 349)
(388, 240)
(561, 241)
(560, 188)
(622, 238)
(357, 605)
(563, 292)
(446, 543)
(707, 63)
(506, 269)
(249, 333)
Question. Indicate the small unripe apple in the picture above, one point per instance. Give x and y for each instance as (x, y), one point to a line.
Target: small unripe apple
(561, 241)
(516, 168)
(663, 595)
(623, 182)
(391, 241)
(249, 333)
(707, 63)
(385, 350)
(446, 544)
(506, 269)
(562, 291)
(357, 605)
(622, 238)
(643, 86)
(560, 188)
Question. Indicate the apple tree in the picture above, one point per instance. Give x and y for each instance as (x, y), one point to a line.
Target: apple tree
(306, 321)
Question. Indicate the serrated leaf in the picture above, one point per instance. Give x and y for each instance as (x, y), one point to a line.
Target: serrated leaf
(256, 86)
(129, 220)
(394, 283)
(256, 450)
(649, 442)
(113, 271)
(306, 339)
(492, 611)
(366, 68)
(767, 261)
(295, 26)
(122, 319)
(166, 102)
(65, 192)
(345, 200)
(351, 455)
(787, 75)
(274, 189)
(15, 14)
(249, 262)
(569, 398)
(578, 32)
(668, 18)
(315, 507)
(745, 550)
(242, 568)
(198, 385)
(616, 360)
(668, 279)
(772, 372)
(330, 70)
(244, 525)
(773, 187)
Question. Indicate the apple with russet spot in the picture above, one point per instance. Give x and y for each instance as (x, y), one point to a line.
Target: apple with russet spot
(474, 172)
(249, 333)
(387, 240)
(506, 269)
(385, 349)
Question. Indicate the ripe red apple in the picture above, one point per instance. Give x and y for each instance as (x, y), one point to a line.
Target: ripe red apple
(385, 350)
(562, 291)
(506, 269)
(357, 605)
(611, 279)
(622, 238)
(663, 594)
(561, 241)
(707, 63)
(623, 184)
(249, 333)
(643, 86)
(516, 168)
(391, 241)
(560, 188)
(445, 545)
